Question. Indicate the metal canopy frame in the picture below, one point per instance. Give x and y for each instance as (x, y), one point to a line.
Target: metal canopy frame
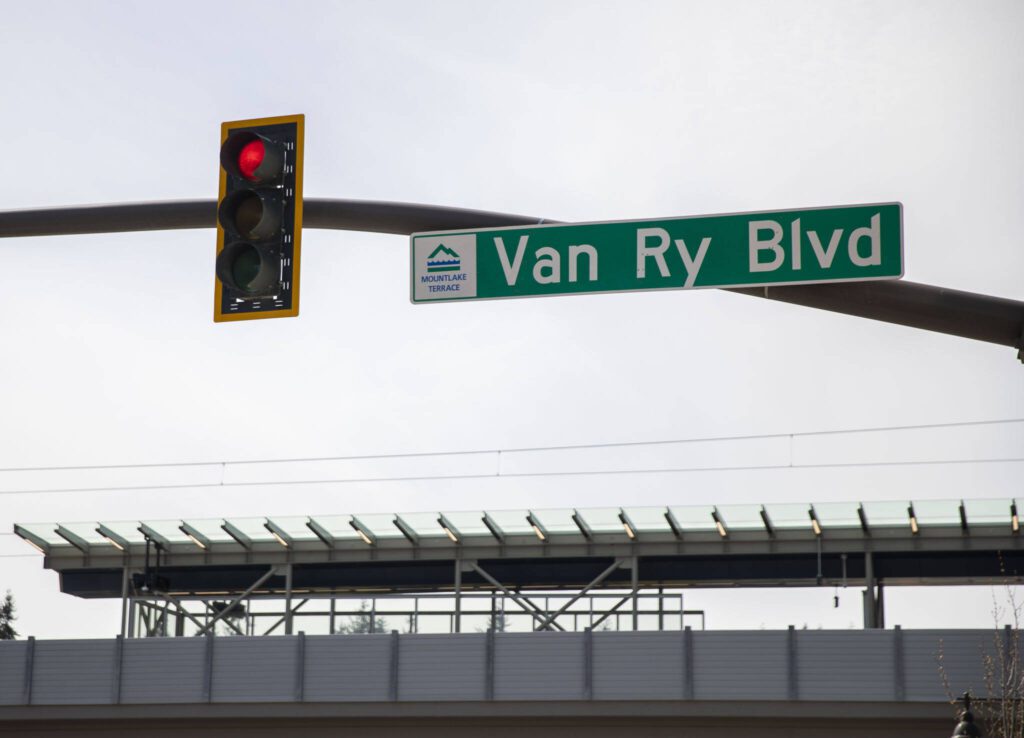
(510, 533)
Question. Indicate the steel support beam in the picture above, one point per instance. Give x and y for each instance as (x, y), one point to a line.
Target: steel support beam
(523, 602)
(965, 314)
(208, 628)
(596, 581)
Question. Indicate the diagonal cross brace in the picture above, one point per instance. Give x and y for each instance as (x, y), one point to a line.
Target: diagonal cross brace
(523, 602)
(209, 626)
(617, 564)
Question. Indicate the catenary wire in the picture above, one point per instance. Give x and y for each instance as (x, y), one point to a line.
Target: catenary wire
(511, 475)
(521, 449)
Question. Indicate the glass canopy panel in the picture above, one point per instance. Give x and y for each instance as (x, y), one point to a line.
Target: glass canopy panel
(382, 525)
(45, 531)
(424, 524)
(253, 529)
(887, 514)
(86, 531)
(837, 514)
(937, 512)
(468, 523)
(602, 519)
(511, 522)
(790, 516)
(168, 529)
(295, 527)
(742, 517)
(337, 526)
(127, 529)
(560, 521)
(648, 519)
(695, 518)
(988, 512)
(211, 529)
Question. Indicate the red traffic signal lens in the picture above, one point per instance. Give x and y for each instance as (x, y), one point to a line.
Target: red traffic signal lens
(253, 157)
(250, 158)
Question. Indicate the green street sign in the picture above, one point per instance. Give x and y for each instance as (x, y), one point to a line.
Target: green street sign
(851, 243)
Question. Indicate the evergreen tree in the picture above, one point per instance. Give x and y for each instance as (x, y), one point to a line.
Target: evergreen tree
(360, 622)
(7, 618)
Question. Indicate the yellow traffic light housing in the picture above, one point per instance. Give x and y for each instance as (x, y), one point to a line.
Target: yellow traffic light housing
(259, 219)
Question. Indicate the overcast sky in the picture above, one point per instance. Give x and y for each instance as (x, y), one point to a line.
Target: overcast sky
(570, 110)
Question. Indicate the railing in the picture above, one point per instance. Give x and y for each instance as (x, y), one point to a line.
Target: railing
(327, 613)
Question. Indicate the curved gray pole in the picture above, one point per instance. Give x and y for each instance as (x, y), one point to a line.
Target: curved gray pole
(967, 314)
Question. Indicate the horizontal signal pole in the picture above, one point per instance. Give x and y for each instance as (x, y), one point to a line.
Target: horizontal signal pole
(966, 314)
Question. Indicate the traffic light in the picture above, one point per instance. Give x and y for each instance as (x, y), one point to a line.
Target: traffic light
(259, 219)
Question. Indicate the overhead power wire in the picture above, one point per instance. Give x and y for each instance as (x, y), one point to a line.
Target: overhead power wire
(520, 449)
(498, 473)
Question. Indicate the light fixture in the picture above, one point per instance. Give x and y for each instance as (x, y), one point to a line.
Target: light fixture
(194, 535)
(112, 541)
(539, 529)
(365, 533)
(914, 529)
(719, 523)
(1014, 520)
(37, 542)
(627, 525)
(279, 539)
(34, 545)
(450, 530)
(279, 533)
(815, 525)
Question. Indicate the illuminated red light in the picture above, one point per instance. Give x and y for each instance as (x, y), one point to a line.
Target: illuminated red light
(250, 158)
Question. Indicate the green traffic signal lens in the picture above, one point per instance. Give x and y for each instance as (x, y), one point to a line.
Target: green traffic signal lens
(245, 267)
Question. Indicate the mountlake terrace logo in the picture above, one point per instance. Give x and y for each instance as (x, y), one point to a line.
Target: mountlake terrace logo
(443, 259)
(445, 267)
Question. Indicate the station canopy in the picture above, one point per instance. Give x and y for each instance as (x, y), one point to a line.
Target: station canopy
(926, 541)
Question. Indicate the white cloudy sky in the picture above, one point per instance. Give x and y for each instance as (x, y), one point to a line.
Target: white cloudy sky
(569, 110)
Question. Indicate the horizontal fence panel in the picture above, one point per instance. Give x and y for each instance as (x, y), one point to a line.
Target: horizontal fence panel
(442, 667)
(348, 668)
(538, 666)
(638, 666)
(846, 665)
(727, 665)
(740, 665)
(163, 670)
(255, 668)
(935, 657)
(13, 655)
(79, 672)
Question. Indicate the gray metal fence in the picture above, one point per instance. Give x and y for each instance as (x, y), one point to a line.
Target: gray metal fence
(879, 665)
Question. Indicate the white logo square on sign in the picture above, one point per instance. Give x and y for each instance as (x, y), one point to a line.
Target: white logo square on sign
(445, 267)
